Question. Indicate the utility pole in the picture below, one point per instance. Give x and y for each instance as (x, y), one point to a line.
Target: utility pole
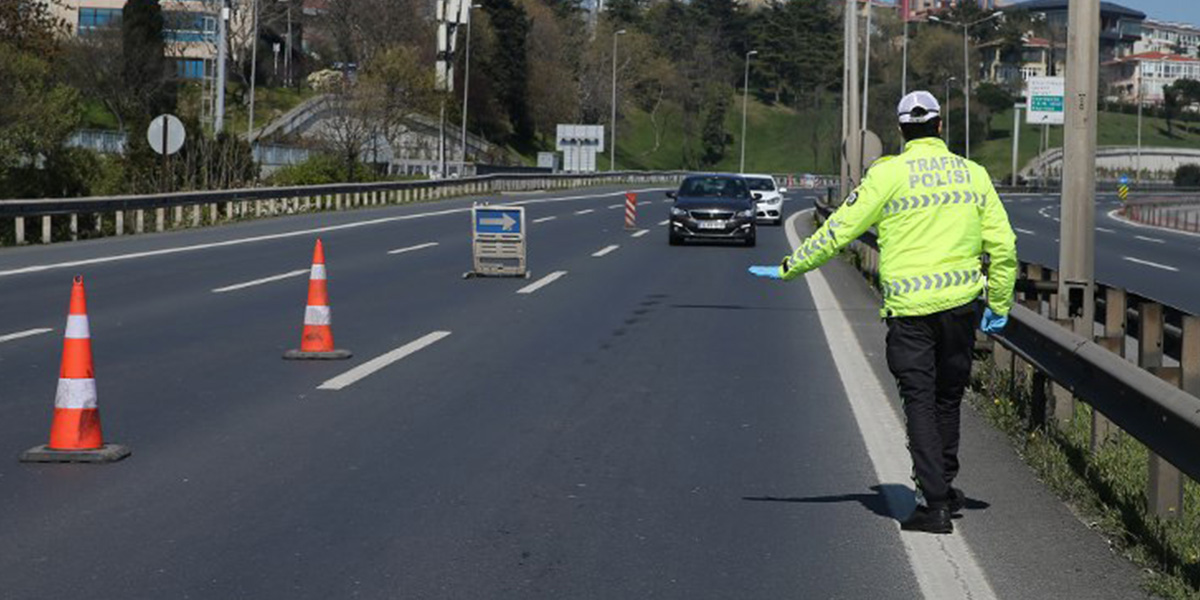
(253, 71)
(745, 101)
(851, 139)
(966, 29)
(222, 29)
(612, 123)
(1138, 164)
(866, 80)
(904, 60)
(1076, 293)
(1016, 140)
(462, 157)
(287, 55)
(946, 110)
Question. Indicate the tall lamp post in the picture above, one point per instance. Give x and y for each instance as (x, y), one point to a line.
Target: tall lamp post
(946, 110)
(966, 64)
(612, 124)
(745, 101)
(462, 156)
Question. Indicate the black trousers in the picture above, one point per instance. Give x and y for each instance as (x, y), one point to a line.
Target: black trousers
(930, 357)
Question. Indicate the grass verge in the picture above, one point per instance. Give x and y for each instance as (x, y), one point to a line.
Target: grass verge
(1106, 488)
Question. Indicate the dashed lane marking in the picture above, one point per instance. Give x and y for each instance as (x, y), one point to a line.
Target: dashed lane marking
(272, 278)
(605, 250)
(612, 206)
(1149, 239)
(24, 334)
(1149, 263)
(413, 248)
(664, 223)
(544, 219)
(541, 283)
(378, 363)
(584, 211)
(944, 565)
(1105, 230)
(639, 234)
(1024, 231)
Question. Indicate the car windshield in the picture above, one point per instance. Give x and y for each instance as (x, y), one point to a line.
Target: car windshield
(760, 184)
(727, 187)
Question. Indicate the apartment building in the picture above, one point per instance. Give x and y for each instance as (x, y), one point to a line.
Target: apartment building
(1170, 38)
(1153, 70)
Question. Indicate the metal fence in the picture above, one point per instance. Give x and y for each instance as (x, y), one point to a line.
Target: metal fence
(1140, 373)
(71, 218)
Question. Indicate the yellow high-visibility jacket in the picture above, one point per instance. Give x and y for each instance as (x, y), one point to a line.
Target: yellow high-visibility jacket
(937, 214)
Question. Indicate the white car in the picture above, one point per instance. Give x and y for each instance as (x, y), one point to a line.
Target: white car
(769, 196)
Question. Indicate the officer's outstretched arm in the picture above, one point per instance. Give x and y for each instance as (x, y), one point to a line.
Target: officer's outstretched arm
(857, 214)
(1000, 243)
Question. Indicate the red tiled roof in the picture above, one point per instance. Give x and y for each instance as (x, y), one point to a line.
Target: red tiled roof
(1144, 56)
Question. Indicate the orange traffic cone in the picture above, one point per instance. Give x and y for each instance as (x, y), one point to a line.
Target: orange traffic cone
(75, 433)
(317, 340)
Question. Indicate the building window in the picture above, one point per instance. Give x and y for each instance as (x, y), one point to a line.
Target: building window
(189, 68)
(186, 27)
(91, 19)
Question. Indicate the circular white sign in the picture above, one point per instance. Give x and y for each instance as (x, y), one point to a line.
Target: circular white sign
(166, 131)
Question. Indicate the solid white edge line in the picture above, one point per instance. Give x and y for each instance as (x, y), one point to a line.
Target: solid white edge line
(290, 234)
(585, 211)
(541, 283)
(604, 250)
(1116, 216)
(24, 334)
(1151, 264)
(1149, 239)
(238, 286)
(413, 248)
(944, 565)
(638, 234)
(544, 219)
(375, 364)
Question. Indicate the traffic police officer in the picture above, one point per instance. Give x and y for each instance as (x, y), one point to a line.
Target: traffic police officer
(936, 214)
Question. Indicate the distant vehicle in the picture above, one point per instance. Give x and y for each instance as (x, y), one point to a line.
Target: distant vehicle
(713, 207)
(770, 205)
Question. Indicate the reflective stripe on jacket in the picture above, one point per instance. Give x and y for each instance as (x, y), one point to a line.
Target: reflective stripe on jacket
(937, 214)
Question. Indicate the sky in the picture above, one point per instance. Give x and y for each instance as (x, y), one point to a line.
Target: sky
(1187, 11)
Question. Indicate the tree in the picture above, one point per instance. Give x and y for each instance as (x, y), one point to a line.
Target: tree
(147, 75)
(1170, 107)
(508, 66)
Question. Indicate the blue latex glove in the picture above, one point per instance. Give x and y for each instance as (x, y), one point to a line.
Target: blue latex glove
(771, 272)
(992, 322)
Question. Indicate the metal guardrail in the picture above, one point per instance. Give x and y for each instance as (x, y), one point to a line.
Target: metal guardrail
(1154, 403)
(269, 201)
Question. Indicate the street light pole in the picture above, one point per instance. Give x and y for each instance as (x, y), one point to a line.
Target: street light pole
(904, 59)
(462, 157)
(946, 110)
(966, 27)
(1138, 165)
(253, 71)
(745, 101)
(612, 124)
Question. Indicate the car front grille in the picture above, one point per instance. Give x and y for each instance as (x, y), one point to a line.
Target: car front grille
(708, 215)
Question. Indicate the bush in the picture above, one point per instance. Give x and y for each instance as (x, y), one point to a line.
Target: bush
(1187, 176)
(321, 169)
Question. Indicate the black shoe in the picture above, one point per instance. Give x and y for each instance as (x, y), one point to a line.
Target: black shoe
(957, 501)
(929, 520)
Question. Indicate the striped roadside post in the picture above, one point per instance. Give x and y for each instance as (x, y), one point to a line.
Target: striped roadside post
(630, 210)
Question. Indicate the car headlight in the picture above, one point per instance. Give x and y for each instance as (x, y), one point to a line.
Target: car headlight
(746, 214)
(678, 212)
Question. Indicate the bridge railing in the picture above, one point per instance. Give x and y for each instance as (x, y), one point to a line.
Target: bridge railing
(61, 219)
(1140, 372)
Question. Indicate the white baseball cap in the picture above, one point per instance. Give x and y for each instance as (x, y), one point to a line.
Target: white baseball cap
(918, 107)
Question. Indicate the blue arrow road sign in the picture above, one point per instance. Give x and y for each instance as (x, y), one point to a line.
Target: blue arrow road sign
(1124, 180)
(497, 220)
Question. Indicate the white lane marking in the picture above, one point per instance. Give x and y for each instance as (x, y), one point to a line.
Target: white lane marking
(287, 234)
(944, 565)
(1149, 239)
(639, 234)
(1024, 231)
(664, 223)
(1106, 230)
(1151, 264)
(668, 201)
(413, 248)
(584, 211)
(541, 283)
(604, 250)
(611, 206)
(24, 334)
(544, 219)
(238, 286)
(375, 364)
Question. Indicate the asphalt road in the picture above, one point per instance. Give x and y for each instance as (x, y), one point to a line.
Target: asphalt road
(652, 424)
(1158, 263)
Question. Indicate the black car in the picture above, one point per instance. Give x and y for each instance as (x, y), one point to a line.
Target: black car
(713, 207)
